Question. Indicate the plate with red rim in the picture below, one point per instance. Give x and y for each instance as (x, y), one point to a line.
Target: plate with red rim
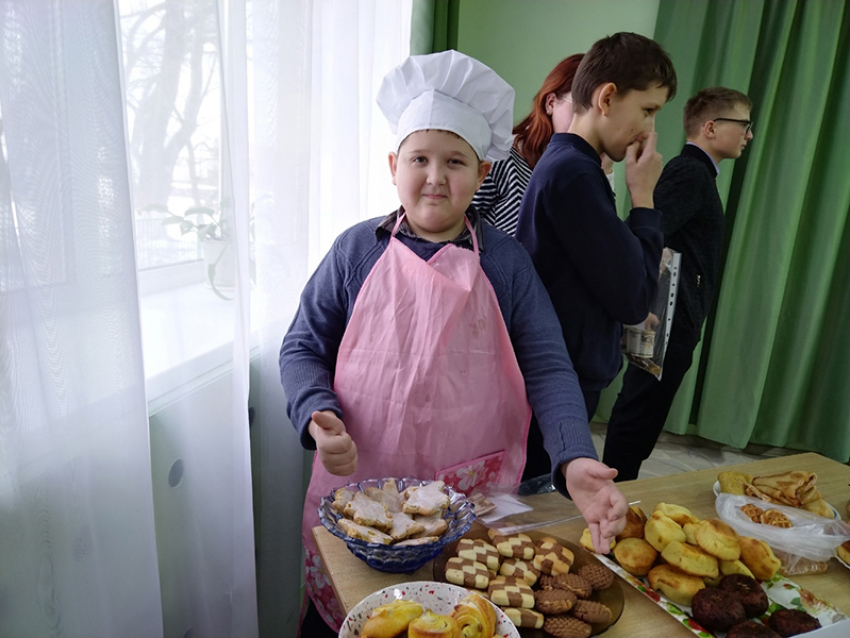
(612, 597)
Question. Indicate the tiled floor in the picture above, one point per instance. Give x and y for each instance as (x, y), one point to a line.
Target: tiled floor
(675, 453)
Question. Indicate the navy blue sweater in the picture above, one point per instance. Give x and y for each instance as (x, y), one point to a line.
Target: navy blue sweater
(309, 350)
(600, 272)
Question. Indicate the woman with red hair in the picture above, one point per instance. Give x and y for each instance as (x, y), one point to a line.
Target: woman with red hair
(552, 111)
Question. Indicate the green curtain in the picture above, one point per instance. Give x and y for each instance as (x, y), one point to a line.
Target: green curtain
(433, 26)
(774, 364)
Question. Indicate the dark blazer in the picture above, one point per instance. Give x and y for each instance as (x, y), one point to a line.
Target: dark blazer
(692, 223)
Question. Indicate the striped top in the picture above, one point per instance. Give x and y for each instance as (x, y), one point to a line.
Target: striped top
(499, 197)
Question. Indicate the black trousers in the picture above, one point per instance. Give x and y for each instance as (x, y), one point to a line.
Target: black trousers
(643, 404)
(537, 460)
(313, 625)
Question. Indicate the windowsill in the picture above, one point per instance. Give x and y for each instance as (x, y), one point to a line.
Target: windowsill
(187, 335)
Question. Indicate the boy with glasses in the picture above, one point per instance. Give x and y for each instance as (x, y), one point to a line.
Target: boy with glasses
(718, 127)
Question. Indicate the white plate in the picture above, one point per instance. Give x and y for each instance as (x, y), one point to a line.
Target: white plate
(440, 598)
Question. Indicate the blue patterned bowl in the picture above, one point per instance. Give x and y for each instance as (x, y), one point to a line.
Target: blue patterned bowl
(407, 558)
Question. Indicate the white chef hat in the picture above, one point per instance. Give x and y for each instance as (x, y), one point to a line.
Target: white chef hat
(450, 91)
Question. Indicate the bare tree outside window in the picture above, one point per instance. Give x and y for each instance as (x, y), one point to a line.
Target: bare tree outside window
(173, 97)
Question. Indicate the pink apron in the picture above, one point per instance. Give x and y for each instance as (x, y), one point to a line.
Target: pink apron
(428, 383)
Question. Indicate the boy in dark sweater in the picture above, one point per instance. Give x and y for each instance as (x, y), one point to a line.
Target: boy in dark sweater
(599, 271)
(718, 127)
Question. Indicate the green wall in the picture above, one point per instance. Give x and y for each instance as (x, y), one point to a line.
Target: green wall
(523, 39)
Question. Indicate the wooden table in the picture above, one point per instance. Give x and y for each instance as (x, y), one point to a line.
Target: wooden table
(353, 580)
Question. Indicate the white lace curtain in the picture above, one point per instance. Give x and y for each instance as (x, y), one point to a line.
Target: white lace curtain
(117, 519)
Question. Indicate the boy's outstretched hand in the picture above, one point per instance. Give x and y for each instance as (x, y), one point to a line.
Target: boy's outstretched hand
(591, 486)
(643, 168)
(337, 450)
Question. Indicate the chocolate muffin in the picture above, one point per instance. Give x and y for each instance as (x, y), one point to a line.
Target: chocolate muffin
(790, 622)
(748, 591)
(751, 629)
(717, 609)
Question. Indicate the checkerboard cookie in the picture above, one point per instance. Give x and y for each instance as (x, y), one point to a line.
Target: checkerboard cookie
(467, 573)
(553, 558)
(524, 617)
(514, 546)
(479, 550)
(519, 568)
(519, 594)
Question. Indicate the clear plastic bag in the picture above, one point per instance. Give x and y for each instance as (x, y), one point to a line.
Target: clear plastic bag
(644, 344)
(810, 539)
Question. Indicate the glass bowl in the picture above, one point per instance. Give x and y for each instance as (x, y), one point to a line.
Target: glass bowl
(406, 558)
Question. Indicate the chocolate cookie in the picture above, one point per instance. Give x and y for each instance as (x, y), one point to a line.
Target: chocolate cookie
(591, 611)
(748, 591)
(571, 582)
(790, 622)
(599, 576)
(566, 627)
(751, 629)
(717, 609)
(554, 601)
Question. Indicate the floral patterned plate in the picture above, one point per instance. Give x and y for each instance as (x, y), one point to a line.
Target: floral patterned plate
(438, 597)
(781, 592)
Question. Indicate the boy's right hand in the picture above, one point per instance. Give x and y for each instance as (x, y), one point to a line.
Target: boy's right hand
(337, 450)
(643, 168)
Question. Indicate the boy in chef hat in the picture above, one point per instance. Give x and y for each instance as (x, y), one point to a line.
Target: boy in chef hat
(424, 338)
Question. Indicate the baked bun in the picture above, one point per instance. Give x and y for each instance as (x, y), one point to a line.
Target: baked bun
(392, 619)
(475, 616)
(718, 539)
(660, 530)
(678, 513)
(759, 558)
(635, 521)
(734, 567)
(431, 625)
(843, 552)
(717, 609)
(586, 541)
(674, 584)
(691, 560)
(635, 555)
(733, 482)
(690, 529)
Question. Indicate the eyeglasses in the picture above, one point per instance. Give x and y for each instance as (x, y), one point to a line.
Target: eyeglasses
(748, 125)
